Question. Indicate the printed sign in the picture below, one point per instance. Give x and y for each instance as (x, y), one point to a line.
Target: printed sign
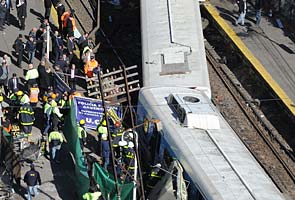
(91, 111)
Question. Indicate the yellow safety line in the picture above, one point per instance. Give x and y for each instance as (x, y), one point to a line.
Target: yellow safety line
(251, 58)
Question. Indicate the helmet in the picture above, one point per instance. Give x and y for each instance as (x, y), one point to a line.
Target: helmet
(53, 96)
(1, 98)
(130, 144)
(104, 122)
(104, 136)
(117, 124)
(19, 93)
(82, 122)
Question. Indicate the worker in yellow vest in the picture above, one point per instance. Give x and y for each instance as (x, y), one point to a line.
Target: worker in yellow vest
(82, 134)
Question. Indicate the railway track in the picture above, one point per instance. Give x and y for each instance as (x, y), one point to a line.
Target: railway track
(239, 112)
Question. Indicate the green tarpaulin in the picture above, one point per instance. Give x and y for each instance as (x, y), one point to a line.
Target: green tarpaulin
(81, 178)
(107, 185)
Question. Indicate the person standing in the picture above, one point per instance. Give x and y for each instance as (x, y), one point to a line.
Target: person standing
(2, 14)
(71, 48)
(19, 49)
(242, 10)
(8, 7)
(82, 133)
(106, 151)
(72, 79)
(91, 67)
(32, 178)
(13, 84)
(31, 48)
(258, 8)
(26, 118)
(55, 140)
(45, 77)
(60, 9)
(21, 7)
(31, 76)
(57, 46)
(47, 5)
(4, 72)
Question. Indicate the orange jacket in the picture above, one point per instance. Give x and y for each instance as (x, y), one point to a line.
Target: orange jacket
(90, 66)
(64, 18)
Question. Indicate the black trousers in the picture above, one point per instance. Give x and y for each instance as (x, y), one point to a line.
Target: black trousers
(7, 16)
(47, 13)
(22, 23)
(1, 22)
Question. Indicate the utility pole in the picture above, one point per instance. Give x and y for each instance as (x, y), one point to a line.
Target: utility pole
(47, 43)
(109, 136)
(134, 138)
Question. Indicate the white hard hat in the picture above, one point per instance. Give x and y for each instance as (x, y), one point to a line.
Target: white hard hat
(130, 144)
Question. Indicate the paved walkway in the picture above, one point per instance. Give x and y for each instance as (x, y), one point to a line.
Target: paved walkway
(55, 182)
(270, 44)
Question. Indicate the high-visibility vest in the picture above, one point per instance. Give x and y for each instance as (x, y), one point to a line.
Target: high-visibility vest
(81, 132)
(90, 66)
(91, 196)
(64, 18)
(24, 99)
(34, 93)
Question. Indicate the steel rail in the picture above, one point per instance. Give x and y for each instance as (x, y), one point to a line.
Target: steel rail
(221, 73)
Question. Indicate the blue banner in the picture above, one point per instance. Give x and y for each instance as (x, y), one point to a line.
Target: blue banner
(91, 111)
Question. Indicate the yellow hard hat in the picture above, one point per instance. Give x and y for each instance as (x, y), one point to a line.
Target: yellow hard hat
(53, 96)
(19, 93)
(82, 121)
(1, 98)
(104, 122)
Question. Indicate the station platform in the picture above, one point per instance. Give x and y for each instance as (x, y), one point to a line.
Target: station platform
(54, 177)
(268, 47)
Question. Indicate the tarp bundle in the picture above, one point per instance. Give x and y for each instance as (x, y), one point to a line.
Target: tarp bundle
(107, 185)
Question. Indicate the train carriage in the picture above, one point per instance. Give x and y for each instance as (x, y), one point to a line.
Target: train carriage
(172, 44)
(216, 163)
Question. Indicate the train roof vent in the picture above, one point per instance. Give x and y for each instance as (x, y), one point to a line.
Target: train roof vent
(174, 61)
(194, 111)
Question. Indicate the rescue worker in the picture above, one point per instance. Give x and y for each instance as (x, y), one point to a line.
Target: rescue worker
(26, 118)
(22, 97)
(64, 101)
(117, 136)
(32, 178)
(153, 178)
(101, 129)
(31, 76)
(64, 19)
(106, 151)
(91, 67)
(129, 158)
(56, 116)
(82, 134)
(91, 195)
(48, 107)
(34, 93)
(55, 140)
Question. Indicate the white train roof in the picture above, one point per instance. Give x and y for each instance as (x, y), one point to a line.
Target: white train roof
(173, 52)
(216, 160)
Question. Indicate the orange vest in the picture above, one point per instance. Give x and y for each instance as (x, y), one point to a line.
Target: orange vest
(64, 18)
(89, 67)
(34, 93)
